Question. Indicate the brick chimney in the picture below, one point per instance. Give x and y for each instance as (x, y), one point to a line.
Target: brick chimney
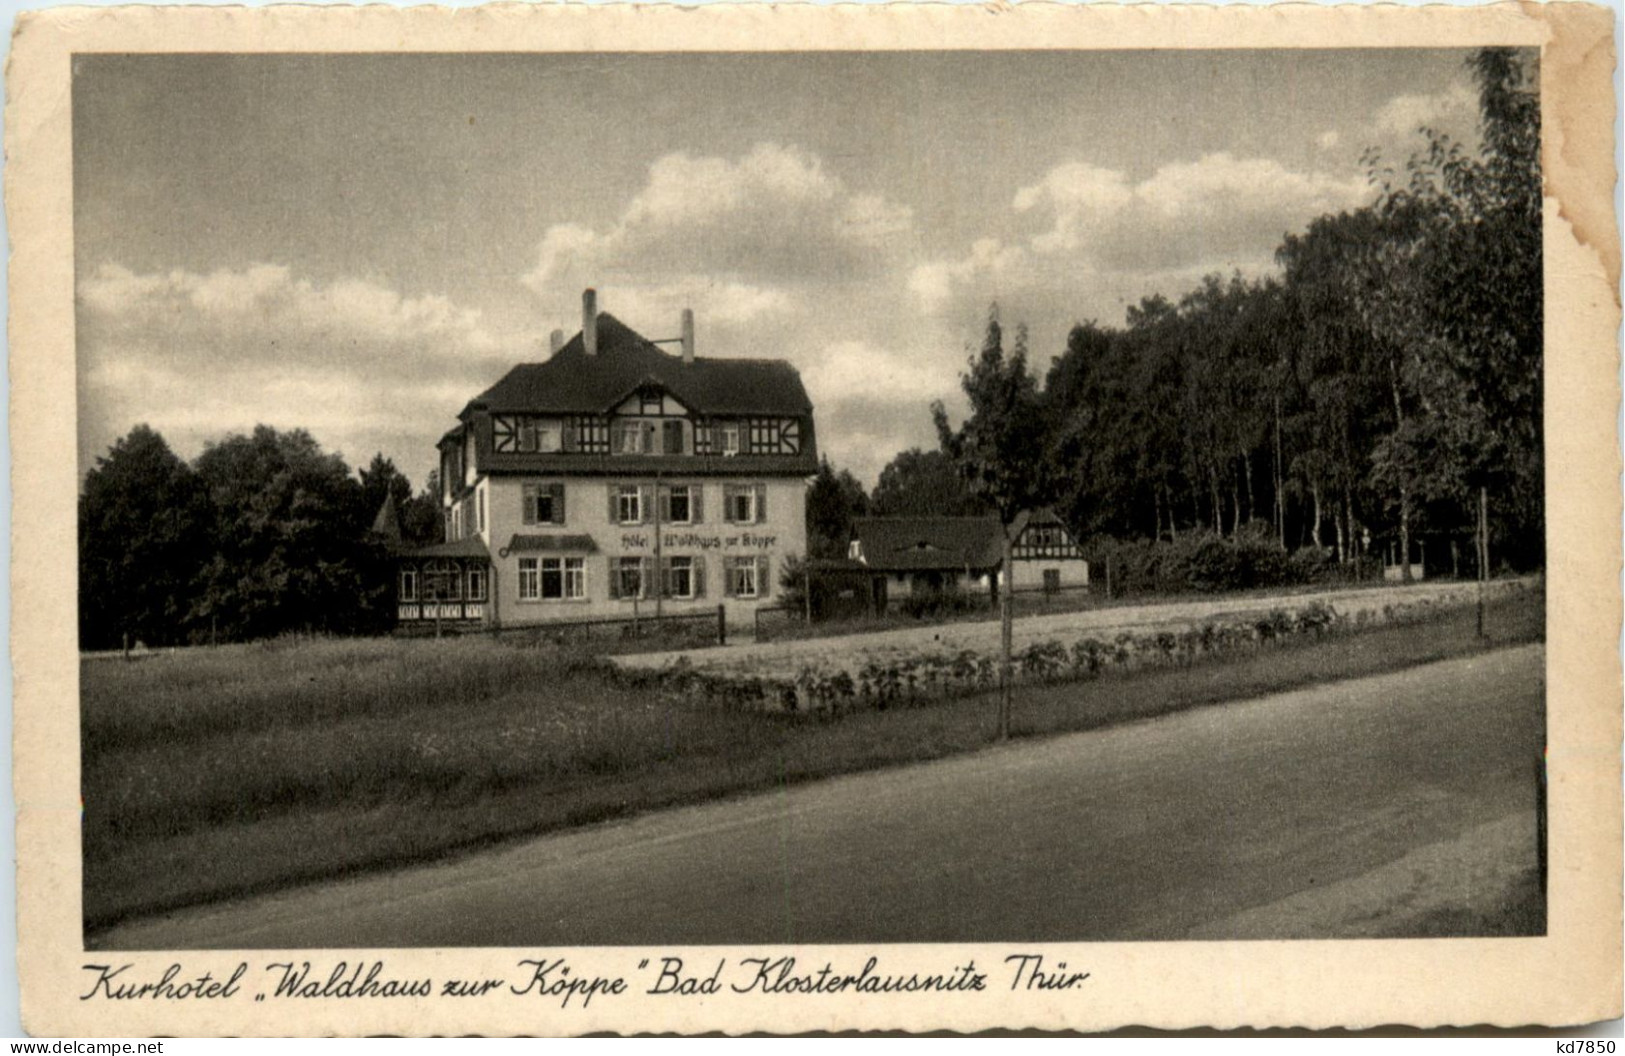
(555, 341)
(688, 335)
(589, 321)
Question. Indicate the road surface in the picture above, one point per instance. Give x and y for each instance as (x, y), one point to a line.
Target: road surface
(1160, 829)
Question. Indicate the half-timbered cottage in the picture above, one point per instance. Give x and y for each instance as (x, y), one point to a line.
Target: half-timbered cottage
(912, 556)
(617, 479)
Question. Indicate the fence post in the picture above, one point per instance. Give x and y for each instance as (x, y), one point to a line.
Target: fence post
(722, 624)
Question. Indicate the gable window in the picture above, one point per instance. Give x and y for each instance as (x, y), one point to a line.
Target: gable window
(745, 503)
(633, 436)
(671, 436)
(543, 504)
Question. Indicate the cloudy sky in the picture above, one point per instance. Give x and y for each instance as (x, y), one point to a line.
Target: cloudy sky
(359, 244)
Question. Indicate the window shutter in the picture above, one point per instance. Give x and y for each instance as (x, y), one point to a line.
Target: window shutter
(761, 503)
(646, 496)
(614, 513)
(673, 437)
(648, 441)
(696, 507)
(698, 577)
(567, 438)
(665, 577)
(614, 578)
(664, 498)
(558, 503)
(728, 492)
(528, 513)
(647, 586)
(728, 577)
(764, 586)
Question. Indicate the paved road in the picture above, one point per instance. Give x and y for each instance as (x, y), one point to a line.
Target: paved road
(854, 650)
(1150, 831)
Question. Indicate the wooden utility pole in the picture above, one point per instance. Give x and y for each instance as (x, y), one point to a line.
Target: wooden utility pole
(1483, 551)
(1006, 635)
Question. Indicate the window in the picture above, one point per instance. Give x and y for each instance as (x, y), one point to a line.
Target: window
(527, 434)
(671, 432)
(1052, 581)
(409, 584)
(680, 577)
(442, 581)
(633, 436)
(543, 504)
(745, 503)
(679, 505)
(728, 438)
(628, 577)
(476, 584)
(552, 578)
(747, 577)
(575, 576)
(629, 504)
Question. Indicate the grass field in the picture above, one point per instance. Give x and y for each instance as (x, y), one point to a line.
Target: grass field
(218, 772)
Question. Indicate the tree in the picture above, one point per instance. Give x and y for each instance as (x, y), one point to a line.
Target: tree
(999, 451)
(833, 500)
(421, 521)
(289, 530)
(381, 480)
(143, 520)
(920, 483)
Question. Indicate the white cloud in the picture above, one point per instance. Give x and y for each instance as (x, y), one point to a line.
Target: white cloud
(199, 355)
(754, 227)
(988, 265)
(226, 316)
(1404, 114)
(1186, 212)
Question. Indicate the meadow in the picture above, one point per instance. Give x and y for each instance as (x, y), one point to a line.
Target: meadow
(215, 772)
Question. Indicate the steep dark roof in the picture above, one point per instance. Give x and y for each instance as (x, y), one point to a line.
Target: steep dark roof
(917, 544)
(571, 382)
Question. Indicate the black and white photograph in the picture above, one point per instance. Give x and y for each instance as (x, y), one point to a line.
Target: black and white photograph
(808, 498)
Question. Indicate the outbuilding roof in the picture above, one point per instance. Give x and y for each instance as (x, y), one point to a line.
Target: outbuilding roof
(572, 382)
(918, 544)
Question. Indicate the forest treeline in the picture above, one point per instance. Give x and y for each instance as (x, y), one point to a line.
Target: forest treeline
(1373, 393)
(260, 535)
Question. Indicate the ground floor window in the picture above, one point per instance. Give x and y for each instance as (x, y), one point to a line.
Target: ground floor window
(628, 573)
(1052, 581)
(747, 577)
(476, 584)
(552, 578)
(442, 581)
(409, 584)
(680, 577)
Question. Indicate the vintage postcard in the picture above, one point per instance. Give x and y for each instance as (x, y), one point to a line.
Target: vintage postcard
(550, 520)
